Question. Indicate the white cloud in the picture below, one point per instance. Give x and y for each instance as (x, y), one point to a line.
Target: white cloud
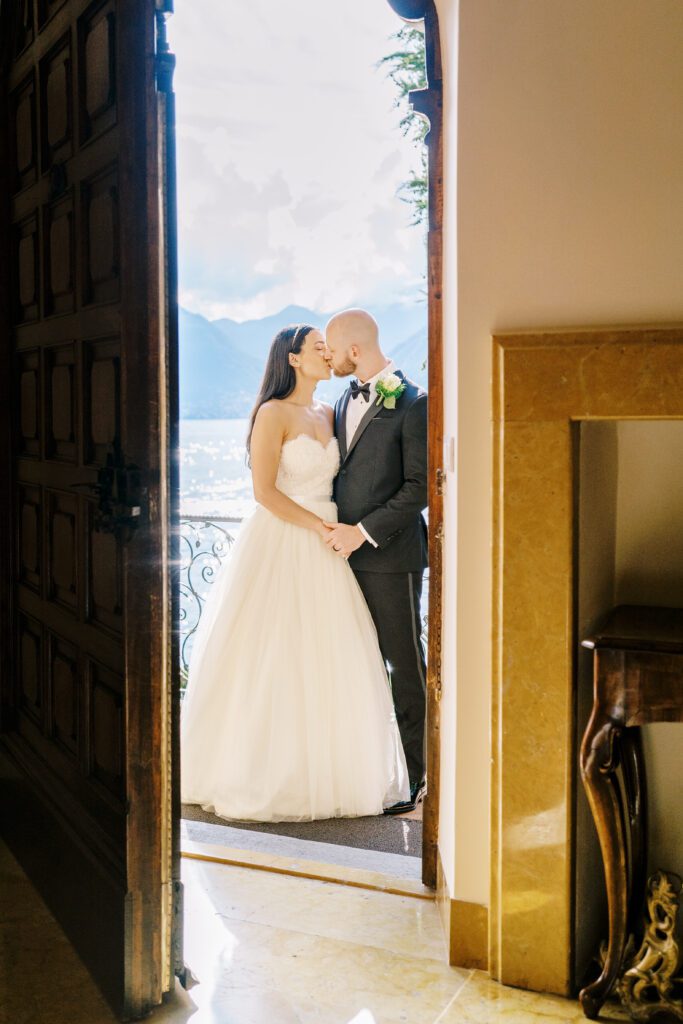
(290, 157)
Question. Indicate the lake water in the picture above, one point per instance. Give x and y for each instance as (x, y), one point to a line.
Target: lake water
(214, 476)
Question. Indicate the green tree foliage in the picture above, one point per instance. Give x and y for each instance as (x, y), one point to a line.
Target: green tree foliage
(406, 68)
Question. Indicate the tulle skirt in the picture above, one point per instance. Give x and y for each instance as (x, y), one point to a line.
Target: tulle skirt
(288, 714)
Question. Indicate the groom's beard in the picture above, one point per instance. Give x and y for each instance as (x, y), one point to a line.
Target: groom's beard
(345, 370)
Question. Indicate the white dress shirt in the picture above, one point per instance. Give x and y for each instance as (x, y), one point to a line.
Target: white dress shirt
(356, 409)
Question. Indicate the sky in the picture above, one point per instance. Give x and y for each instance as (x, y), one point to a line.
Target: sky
(289, 158)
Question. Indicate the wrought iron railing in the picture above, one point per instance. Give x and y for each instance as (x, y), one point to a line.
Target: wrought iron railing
(205, 543)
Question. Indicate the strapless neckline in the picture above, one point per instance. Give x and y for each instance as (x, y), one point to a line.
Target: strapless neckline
(315, 440)
(308, 467)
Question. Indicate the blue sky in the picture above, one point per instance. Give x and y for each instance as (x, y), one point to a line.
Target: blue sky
(289, 158)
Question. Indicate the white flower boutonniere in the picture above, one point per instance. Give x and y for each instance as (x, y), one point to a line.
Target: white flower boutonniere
(389, 389)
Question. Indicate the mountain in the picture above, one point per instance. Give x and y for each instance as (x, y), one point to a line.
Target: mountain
(221, 361)
(399, 322)
(253, 337)
(217, 380)
(411, 356)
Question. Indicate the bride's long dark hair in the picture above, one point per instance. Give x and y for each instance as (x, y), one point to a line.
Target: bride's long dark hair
(279, 377)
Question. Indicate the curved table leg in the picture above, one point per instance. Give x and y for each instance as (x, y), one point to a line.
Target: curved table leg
(599, 761)
(636, 795)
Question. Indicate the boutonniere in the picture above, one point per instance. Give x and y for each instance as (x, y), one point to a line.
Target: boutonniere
(389, 389)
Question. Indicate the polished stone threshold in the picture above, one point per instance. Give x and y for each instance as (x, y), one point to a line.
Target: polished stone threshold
(283, 854)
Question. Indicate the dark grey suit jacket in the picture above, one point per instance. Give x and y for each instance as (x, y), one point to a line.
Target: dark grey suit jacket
(382, 481)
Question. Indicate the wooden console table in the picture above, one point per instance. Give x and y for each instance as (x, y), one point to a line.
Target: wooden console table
(638, 679)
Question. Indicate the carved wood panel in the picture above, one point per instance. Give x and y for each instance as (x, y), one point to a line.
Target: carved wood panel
(56, 91)
(104, 585)
(58, 256)
(61, 384)
(25, 28)
(97, 70)
(62, 549)
(101, 399)
(29, 390)
(23, 149)
(65, 227)
(30, 555)
(31, 674)
(46, 8)
(106, 734)
(64, 696)
(100, 219)
(25, 266)
(81, 651)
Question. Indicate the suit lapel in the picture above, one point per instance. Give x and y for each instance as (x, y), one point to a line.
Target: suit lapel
(362, 426)
(340, 422)
(367, 419)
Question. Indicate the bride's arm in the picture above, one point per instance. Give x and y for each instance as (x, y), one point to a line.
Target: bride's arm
(266, 445)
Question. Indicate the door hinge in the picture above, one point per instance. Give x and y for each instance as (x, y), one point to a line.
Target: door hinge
(440, 480)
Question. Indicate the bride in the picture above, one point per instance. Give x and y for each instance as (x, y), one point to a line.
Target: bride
(288, 714)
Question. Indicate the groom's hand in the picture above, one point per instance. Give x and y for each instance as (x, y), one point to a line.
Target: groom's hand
(343, 539)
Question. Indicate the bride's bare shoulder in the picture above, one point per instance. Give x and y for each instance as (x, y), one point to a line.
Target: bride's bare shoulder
(272, 408)
(272, 415)
(328, 410)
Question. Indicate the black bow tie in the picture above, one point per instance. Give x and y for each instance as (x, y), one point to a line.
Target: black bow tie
(360, 389)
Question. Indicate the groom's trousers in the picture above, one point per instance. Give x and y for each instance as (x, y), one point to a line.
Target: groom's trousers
(394, 602)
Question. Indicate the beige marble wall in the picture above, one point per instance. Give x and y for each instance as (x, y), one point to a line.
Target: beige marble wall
(543, 384)
(465, 926)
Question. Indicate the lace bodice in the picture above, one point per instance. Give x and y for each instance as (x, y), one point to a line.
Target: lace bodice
(308, 467)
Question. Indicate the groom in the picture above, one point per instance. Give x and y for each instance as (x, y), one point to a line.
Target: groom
(381, 490)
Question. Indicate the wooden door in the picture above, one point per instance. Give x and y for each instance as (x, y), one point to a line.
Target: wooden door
(86, 712)
(429, 103)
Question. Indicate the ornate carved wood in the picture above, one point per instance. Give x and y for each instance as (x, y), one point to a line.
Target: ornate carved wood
(638, 679)
(429, 102)
(85, 602)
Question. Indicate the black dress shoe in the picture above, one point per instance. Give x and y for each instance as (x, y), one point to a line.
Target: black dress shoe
(417, 791)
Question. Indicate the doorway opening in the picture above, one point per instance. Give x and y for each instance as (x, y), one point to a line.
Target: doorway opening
(315, 191)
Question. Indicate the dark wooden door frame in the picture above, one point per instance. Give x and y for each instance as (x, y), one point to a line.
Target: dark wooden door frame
(429, 103)
(136, 911)
(166, 63)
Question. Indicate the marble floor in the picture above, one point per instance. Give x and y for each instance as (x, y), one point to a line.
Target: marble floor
(269, 949)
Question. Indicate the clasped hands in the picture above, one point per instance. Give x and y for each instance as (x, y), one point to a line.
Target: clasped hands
(341, 538)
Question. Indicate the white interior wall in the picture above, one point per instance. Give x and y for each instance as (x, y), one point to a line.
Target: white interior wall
(564, 207)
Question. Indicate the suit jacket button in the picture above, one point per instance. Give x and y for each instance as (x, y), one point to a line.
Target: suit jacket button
(343, 472)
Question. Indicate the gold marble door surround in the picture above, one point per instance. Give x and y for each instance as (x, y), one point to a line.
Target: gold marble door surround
(544, 383)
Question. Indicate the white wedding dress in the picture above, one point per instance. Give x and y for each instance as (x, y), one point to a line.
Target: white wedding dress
(288, 714)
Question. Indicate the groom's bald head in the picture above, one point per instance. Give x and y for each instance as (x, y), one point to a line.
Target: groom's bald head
(352, 338)
(353, 327)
